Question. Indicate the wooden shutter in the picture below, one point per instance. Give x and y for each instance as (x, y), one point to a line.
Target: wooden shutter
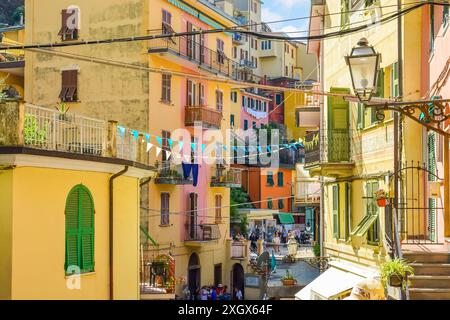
(189, 28)
(360, 116)
(219, 100)
(165, 204)
(431, 177)
(335, 211)
(218, 207)
(190, 100)
(269, 203)
(86, 216)
(280, 204)
(69, 86)
(201, 88)
(280, 179)
(72, 241)
(80, 229)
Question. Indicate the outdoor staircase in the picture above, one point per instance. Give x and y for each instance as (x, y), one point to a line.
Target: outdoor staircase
(431, 279)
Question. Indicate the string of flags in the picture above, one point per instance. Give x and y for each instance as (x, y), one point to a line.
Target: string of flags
(194, 146)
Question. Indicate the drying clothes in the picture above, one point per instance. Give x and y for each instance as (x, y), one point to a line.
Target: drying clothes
(187, 168)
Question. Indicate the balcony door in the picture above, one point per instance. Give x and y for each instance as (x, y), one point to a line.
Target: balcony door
(193, 216)
(194, 273)
(338, 133)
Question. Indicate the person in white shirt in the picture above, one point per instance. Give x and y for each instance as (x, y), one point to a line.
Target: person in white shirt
(238, 294)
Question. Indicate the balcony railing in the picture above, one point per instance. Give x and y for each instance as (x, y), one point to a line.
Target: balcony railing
(307, 191)
(328, 146)
(291, 156)
(157, 274)
(191, 48)
(208, 117)
(169, 173)
(239, 249)
(51, 130)
(202, 232)
(226, 177)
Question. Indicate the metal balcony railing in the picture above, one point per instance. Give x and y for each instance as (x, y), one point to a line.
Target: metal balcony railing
(202, 232)
(169, 173)
(207, 116)
(226, 177)
(328, 146)
(192, 48)
(291, 156)
(307, 191)
(157, 274)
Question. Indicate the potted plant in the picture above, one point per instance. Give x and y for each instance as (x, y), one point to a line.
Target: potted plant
(382, 197)
(288, 279)
(395, 272)
(63, 111)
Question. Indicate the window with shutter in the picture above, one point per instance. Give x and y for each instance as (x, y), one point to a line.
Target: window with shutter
(280, 204)
(270, 181)
(165, 209)
(166, 88)
(335, 211)
(166, 22)
(69, 86)
(219, 100)
(69, 23)
(79, 217)
(431, 177)
(218, 208)
(269, 203)
(372, 210)
(280, 179)
(345, 14)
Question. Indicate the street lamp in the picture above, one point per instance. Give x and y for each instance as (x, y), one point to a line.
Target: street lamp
(364, 64)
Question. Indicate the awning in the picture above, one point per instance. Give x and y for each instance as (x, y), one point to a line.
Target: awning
(329, 285)
(286, 218)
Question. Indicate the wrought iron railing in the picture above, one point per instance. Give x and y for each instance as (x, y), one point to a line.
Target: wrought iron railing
(193, 49)
(202, 232)
(328, 146)
(157, 273)
(169, 173)
(204, 115)
(226, 177)
(52, 130)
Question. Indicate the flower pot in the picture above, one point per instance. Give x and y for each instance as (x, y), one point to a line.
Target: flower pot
(382, 202)
(289, 282)
(395, 281)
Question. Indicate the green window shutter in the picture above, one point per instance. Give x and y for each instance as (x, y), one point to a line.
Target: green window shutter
(280, 179)
(280, 204)
(360, 116)
(269, 203)
(270, 181)
(373, 211)
(79, 230)
(336, 211)
(345, 15)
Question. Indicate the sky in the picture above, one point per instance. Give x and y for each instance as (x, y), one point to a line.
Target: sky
(286, 9)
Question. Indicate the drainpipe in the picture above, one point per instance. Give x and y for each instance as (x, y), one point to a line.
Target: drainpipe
(322, 127)
(111, 230)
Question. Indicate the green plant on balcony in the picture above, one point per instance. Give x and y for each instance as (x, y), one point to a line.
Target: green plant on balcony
(33, 133)
(3, 95)
(288, 279)
(61, 107)
(395, 272)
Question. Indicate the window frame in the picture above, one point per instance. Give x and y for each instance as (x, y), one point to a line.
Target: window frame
(165, 210)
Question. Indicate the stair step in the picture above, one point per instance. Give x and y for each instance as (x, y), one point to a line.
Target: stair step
(429, 294)
(427, 281)
(426, 257)
(430, 269)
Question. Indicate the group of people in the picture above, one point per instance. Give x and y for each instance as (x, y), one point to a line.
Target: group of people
(219, 292)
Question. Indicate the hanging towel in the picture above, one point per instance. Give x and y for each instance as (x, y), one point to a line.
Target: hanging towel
(186, 169)
(195, 168)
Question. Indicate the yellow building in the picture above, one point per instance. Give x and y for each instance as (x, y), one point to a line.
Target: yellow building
(69, 216)
(353, 151)
(278, 58)
(177, 219)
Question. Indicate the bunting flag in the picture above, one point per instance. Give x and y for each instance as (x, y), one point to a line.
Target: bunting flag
(147, 137)
(159, 139)
(203, 147)
(135, 134)
(170, 142)
(158, 151)
(225, 148)
(168, 154)
(193, 145)
(269, 149)
(121, 130)
(259, 149)
(235, 148)
(149, 146)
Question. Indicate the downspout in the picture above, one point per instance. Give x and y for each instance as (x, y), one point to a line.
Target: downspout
(111, 230)
(321, 127)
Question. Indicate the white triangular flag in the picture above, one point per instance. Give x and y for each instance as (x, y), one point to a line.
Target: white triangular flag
(149, 146)
(158, 151)
(168, 153)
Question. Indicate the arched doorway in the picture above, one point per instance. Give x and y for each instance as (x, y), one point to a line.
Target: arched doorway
(194, 273)
(238, 278)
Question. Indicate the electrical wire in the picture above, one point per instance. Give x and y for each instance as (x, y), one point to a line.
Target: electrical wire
(258, 35)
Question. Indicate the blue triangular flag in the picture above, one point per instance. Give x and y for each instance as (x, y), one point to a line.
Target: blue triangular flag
(180, 144)
(121, 130)
(147, 137)
(259, 149)
(234, 148)
(269, 149)
(170, 142)
(203, 147)
(225, 148)
(159, 139)
(135, 134)
(193, 145)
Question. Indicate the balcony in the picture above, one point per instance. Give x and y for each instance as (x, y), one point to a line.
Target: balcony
(307, 189)
(245, 63)
(238, 39)
(226, 177)
(239, 250)
(204, 116)
(157, 276)
(289, 157)
(329, 153)
(198, 235)
(169, 174)
(191, 48)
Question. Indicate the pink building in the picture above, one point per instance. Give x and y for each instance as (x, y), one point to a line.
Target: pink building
(254, 110)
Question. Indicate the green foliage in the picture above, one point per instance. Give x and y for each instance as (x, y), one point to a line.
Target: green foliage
(398, 267)
(239, 199)
(316, 249)
(33, 134)
(10, 11)
(3, 95)
(288, 276)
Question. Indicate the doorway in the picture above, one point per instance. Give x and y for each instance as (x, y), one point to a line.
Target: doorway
(194, 273)
(238, 278)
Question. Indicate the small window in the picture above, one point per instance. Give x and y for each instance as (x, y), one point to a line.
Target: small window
(79, 219)
(269, 203)
(165, 209)
(218, 210)
(167, 22)
(253, 124)
(166, 88)
(217, 274)
(232, 120)
(69, 24)
(270, 181)
(280, 179)
(220, 51)
(69, 86)
(245, 124)
(280, 204)
(219, 100)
